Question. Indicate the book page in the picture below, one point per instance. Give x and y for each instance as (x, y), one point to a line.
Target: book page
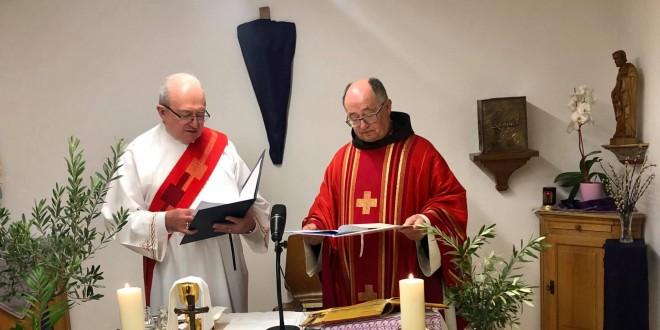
(349, 230)
(358, 227)
(249, 189)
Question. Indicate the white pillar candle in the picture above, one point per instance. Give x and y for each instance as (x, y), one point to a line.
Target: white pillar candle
(131, 308)
(413, 314)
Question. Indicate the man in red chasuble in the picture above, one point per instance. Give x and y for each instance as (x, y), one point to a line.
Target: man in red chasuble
(386, 174)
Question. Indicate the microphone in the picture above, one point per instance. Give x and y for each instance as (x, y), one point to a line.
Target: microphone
(277, 222)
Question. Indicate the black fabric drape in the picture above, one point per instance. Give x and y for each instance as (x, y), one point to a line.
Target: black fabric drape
(626, 286)
(268, 48)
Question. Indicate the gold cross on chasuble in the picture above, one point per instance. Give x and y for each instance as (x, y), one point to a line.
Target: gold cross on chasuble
(366, 202)
(368, 293)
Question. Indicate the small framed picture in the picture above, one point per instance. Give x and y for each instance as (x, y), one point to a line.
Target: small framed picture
(549, 197)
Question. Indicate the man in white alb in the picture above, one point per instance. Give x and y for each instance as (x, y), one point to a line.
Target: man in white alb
(165, 173)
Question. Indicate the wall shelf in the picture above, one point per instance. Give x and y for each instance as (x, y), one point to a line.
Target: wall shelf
(503, 164)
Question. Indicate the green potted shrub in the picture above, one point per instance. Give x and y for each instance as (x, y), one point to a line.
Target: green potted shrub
(45, 252)
(489, 295)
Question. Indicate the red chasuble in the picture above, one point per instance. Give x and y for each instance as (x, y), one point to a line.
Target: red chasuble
(387, 185)
(184, 183)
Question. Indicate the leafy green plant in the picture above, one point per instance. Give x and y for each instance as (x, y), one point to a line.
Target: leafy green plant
(490, 295)
(45, 309)
(45, 252)
(572, 180)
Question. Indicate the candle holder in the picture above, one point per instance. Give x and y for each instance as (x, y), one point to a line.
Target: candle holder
(549, 197)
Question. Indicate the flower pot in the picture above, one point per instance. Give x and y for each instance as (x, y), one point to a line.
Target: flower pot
(591, 190)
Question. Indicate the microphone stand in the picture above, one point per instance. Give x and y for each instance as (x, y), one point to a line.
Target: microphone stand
(278, 250)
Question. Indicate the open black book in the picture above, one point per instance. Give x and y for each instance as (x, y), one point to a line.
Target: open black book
(212, 213)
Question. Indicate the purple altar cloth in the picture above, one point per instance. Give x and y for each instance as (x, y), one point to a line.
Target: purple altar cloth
(389, 322)
(601, 205)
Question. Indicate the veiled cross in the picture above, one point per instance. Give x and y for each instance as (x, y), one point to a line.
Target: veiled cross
(368, 294)
(191, 311)
(366, 202)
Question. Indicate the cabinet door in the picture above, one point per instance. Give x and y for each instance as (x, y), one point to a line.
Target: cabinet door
(577, 272)
(549, 286)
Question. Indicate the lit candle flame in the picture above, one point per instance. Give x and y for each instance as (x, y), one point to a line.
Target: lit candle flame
(411, 276)
(127, 286)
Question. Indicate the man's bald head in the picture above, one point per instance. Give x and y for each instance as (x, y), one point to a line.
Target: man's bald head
(375, 85)
(366, 101)
(182, 96)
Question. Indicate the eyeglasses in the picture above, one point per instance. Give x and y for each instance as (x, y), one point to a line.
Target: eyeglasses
(368, 119)
(200, 116)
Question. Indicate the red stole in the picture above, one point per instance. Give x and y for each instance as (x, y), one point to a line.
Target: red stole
(386, 184)
(184, 183)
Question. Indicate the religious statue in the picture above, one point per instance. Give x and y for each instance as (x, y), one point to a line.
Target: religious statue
(624, 100)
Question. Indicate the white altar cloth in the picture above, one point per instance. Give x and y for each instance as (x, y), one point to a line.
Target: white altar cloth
(256, 320)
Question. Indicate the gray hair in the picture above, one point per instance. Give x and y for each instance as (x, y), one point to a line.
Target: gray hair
(377, 88)
(163, 95)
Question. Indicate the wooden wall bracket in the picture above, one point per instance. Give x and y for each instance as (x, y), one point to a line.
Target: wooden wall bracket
(502, 164)
(628, 153)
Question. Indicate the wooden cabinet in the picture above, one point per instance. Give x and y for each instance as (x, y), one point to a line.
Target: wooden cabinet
(8, 320)
(572, 268)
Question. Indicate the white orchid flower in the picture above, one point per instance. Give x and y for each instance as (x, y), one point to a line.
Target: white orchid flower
(580, 104)
(580, 118)
(583, 108)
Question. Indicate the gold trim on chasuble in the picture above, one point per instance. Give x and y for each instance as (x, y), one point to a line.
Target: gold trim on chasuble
(393, 171)
(384, 183)
(401, 171)
(348, 173)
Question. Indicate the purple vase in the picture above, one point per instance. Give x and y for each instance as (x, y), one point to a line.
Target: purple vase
(591, 190)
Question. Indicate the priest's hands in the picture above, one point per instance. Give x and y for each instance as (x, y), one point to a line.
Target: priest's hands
(312, 240)
(179, 220)
(244, 225)
(413, 231)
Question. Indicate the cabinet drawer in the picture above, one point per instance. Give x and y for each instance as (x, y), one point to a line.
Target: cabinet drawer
(579, 227)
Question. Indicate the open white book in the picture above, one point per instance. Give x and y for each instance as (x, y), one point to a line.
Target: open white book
(349, 230)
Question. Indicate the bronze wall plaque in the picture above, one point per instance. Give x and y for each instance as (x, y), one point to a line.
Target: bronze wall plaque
(502, 124)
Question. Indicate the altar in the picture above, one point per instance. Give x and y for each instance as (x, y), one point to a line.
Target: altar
(265, 320)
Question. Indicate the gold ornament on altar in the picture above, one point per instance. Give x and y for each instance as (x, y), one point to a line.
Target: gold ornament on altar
(188, 288)
(188, 293)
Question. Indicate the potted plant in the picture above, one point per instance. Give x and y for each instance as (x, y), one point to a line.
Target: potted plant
(45, 252)
(584, 180)
(626, 186)
(490, 295)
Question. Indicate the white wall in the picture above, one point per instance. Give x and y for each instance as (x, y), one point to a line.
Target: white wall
(640, 22)
(92, 69)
